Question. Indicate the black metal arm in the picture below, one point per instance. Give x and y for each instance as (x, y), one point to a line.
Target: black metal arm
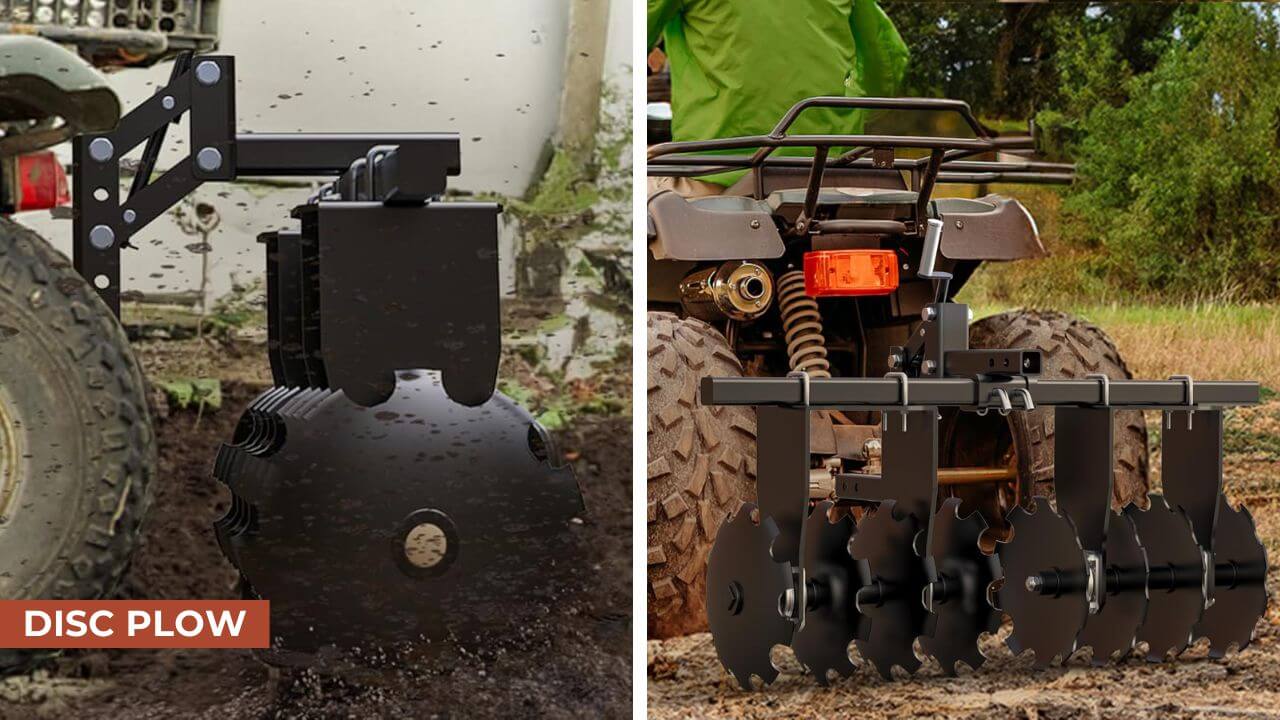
(409, 169)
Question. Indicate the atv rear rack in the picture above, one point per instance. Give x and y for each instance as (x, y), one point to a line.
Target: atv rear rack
(871, 153)
(1080, 576)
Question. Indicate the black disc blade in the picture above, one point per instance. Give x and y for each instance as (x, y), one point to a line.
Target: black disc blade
(892, 577)
(831, 623)
(962, 611)
(744, 583)
(1174, 579)
(1112, 630)
(1240, 594)
(417, 518)
(1043, 542)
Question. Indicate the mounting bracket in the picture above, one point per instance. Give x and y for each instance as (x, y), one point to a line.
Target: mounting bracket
(383, 277)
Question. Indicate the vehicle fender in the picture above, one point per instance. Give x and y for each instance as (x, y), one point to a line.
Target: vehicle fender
(40, 80)
(988, 228)
(723, 227)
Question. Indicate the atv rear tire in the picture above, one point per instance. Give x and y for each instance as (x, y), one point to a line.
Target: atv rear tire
(77, 452)
(702, 466)
(1070, 348)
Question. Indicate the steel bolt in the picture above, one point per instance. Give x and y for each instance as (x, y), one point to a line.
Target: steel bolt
(929, 366)
(101, 149)
(755, 224)
(208, 73)
(929, 313)
(167, 102)
(102, 237)
(209, 159)
(1034, 583)
(130, 216)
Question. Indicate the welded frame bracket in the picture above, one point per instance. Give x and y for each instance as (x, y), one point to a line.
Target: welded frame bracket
(782, 490)
(203, 88)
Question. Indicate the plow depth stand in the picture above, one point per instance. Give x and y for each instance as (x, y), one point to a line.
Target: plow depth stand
(381, 491)
(798, 571)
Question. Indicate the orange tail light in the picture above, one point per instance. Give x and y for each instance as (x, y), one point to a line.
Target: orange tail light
(846, 273)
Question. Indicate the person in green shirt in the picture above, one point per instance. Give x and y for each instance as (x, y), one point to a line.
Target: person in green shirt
(738, 65)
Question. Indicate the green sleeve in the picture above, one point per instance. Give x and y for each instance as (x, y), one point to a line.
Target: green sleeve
(661, 12)
(881, 53)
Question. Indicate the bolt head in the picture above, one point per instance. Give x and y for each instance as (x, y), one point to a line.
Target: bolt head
(209, 159)
(102, 237)
(101, 149)
(929, 366)
(208, 73)
(130, 216)
(168, 103)
(787, 603)
(929, 313)
(895, 359)
(1034, 583)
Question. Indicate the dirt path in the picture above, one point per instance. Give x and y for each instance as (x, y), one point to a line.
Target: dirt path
(687, 681)
(576, 665)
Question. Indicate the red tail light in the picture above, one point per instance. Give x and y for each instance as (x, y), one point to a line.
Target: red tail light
(850, 273)
(41, 183)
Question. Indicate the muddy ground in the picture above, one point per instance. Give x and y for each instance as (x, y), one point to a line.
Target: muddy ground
(577, 665)
(687, 681)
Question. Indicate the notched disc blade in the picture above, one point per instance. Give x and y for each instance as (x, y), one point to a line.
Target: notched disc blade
(743, 586)
(892, 577)
(822, 645)
(1172, 552)
(964, 615)
(1043, 541)
(1240, 594)
(417, 518)
(1111, 632)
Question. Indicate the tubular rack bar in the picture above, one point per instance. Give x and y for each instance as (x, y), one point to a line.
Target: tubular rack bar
(887, 393)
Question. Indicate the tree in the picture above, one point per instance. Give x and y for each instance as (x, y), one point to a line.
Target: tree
(1179, 166)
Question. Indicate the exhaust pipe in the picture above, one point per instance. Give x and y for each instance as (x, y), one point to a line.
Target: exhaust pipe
(737, 290)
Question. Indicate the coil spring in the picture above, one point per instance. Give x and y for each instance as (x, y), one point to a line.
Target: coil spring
(802, 326)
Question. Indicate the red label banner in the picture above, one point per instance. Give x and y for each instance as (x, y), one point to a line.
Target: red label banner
(135, 624)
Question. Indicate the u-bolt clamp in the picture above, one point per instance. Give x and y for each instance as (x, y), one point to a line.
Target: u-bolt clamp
(1006, 406)
(804, 385)
(903, 382)
(1105, 382)
(1027, 403)
(1190, 386)
(372, 158)
(352, 188)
